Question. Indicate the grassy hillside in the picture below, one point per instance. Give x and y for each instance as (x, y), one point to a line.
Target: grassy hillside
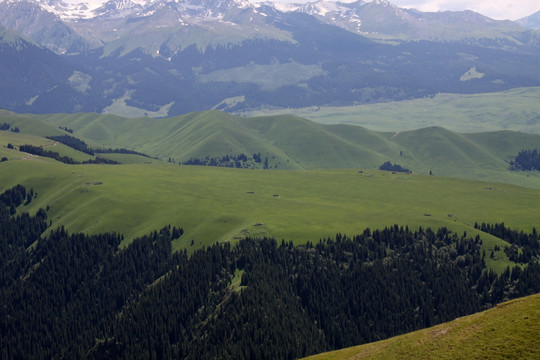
(193, 135)
(290, 142)
(509, 331)
(217, 204)
(515, 110)
(17, 139)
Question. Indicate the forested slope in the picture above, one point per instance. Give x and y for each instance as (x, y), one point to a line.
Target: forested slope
(78, 296)
(508, 331)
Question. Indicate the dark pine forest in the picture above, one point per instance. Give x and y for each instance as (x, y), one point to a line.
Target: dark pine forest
(77, 296)
(526, 160)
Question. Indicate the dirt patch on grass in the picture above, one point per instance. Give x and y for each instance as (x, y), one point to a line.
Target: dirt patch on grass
(440, 332)
(93, 183)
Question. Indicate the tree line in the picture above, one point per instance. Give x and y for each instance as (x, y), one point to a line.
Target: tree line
(80, 145)
(38, 150)
(388, 166)
(523, 247)
(80, 296)
(526, 160)
(241, 161)
(7, 126)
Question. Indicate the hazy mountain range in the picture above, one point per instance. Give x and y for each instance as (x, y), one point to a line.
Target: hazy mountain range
(160, 58)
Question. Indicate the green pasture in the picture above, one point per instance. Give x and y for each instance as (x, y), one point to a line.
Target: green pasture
(508, 331)
(129, 158)
(18, 139)
(516, 110)
(294, 143)
(220, 205)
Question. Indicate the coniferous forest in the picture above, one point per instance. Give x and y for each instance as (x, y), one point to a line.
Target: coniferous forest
(526, 160)
(79, 296)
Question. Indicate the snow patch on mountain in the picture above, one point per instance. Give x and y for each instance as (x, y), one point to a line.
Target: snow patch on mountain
(73, 10)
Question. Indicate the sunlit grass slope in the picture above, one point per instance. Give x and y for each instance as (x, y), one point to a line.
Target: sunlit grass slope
(509, 331)
(209, 133)
(18, 139)
(515, 109)
(291, 142)
(218, 204)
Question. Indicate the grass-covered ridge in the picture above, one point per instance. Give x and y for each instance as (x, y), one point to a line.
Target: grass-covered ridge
(508, 331)
(224, 205)
(291, 142)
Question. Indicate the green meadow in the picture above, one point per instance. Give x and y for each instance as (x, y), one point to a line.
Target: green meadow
(224, 205)
(323, 178)
(508, 331)
(293, 143)
(515, 109)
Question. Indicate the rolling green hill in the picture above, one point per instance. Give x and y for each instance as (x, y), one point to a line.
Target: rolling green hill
(223, 205)
(509, 331)
(216, 204)
(290, 142)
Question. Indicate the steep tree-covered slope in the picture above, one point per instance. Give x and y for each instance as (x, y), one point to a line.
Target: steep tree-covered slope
(510, 330)
(80, 296)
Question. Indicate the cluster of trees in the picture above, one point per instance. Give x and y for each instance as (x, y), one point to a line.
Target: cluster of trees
(527, 160)
(121, 151)
(15, 196)
(524, 247)
(7, 126)
(66, 129)
(241, 161)
(38, 150)
(388, 166)
(80, 145)
(78, 296)
(73, 143)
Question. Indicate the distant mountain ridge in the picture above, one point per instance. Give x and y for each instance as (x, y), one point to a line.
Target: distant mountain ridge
(381, 19)
(160, 58)
(27, 68)
(531, 21)
(88, 24)
(377, 18)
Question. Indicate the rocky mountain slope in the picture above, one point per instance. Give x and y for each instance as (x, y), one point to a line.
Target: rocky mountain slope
(160, 58)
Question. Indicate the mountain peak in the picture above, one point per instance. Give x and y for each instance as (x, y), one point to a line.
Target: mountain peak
(112, 9)
(531, 22)
(117, 9)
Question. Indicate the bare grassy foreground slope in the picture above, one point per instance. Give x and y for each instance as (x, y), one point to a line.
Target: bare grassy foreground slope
(508, 331)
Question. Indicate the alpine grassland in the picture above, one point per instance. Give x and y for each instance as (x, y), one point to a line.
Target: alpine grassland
(322, 179)
(224, 205)
(293, 143)
(507, 331)
(515, 109)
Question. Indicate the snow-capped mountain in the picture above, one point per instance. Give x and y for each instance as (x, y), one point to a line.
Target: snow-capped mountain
(33, 20)
(68, 28)
(381, 19)
(190, 55)
(68, 11)
(378, 19)
(114, 9)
